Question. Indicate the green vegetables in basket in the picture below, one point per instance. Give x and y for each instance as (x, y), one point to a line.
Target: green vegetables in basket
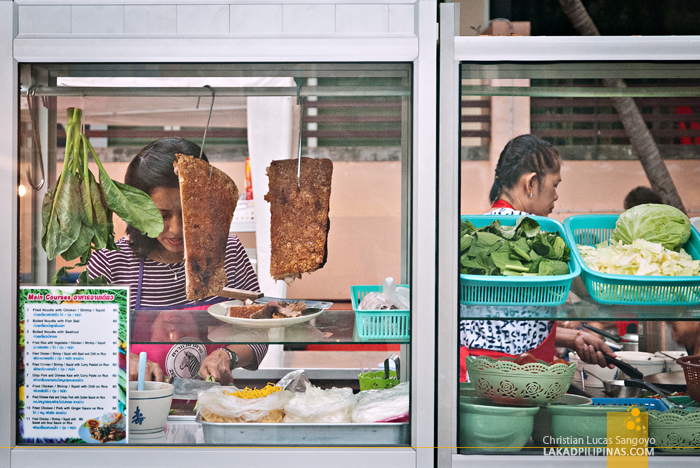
(661, 224)
(77, 212)
(519, 250)
(641, 258)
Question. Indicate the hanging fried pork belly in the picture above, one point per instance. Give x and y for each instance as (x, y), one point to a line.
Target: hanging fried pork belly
(298, 216)
(209, 198)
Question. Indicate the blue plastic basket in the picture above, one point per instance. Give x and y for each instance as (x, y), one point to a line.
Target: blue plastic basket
(608, 288)
(648, 403)
(517, 290)
(379, 324)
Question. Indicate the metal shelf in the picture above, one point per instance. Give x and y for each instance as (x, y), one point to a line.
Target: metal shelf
(331, 327)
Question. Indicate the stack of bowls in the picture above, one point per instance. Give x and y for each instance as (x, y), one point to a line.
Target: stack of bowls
(581, 426)
(503, 381)
(485, 426)
(542, 434)
(676, 430)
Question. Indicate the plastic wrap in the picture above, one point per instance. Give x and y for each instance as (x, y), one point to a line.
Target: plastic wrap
(316, 405)
(216, 406)
(295, 381)
(382, 405)
(391, 297)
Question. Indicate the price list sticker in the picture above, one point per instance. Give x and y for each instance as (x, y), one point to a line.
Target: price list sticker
(73, 357)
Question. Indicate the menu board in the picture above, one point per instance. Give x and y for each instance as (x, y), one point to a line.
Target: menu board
(73, 371)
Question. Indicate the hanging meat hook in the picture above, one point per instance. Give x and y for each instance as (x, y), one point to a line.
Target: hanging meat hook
(211, 109)
(300, 103)
(36, 147)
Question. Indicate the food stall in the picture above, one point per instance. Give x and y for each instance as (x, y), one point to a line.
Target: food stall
(140, 72)
(522, 73)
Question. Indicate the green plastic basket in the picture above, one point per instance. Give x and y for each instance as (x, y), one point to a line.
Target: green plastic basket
(517, 290)
(374, 380)
(608, 288)
(379, 324)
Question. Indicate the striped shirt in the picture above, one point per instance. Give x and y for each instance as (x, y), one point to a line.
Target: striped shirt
(163, 285)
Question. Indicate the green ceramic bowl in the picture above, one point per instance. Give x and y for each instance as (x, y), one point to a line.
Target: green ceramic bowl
(542, 435)
(487, 427)
(581, 426)
(675, 430)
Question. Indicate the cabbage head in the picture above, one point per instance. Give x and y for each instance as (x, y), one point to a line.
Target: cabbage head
(662, 224)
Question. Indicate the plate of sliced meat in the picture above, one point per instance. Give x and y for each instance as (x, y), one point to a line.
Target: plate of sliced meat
(272, 314)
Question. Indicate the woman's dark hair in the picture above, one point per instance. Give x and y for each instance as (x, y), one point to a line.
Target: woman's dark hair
(641, 196)
(523, 155)
(153, 168)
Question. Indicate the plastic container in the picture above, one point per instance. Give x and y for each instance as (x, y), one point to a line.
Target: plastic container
(379, 324)
(542, 432)
(486, 427)
(581, 426)
(691, 369)
(505, 382)
(374, 380)
(517, 290)
(676, 430)
(608, 288)
(648, 403)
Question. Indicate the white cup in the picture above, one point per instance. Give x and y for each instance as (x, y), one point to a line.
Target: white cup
(149, 408)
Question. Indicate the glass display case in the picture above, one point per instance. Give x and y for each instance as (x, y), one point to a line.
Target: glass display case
(571, 92)
(355, 94)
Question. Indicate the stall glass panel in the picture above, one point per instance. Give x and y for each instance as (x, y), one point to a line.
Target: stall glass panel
(616, 127)
(82, 341)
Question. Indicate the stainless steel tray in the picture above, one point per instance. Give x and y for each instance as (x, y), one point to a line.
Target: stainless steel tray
(314, 434)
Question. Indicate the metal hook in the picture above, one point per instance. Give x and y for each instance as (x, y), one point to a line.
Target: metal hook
(211, 108)
(300, 103)
(36, 149)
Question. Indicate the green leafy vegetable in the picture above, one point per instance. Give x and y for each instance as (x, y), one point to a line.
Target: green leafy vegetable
(662, 224)
(77, 211)
(523, 249)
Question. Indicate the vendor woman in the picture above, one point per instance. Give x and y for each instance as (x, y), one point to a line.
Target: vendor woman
(527, 176)
(155, 270)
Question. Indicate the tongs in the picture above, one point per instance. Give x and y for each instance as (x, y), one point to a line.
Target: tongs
(397, 366)
(615, 338)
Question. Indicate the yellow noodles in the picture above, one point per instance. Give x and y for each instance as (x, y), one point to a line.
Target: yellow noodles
(250, 393)
(274, 416)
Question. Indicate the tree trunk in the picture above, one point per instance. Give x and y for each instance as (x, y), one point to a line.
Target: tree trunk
(640, 137)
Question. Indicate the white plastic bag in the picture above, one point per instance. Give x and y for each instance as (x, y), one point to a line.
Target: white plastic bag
(320, 406)
(381, 404)
(216, 406)
(391, 297)
(296, 381)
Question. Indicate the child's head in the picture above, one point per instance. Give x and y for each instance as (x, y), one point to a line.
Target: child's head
(641, 196)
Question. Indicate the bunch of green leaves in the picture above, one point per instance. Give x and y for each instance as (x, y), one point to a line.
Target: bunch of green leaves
(77, 211)
(519, 250)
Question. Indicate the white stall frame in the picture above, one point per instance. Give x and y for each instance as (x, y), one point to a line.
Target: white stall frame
(455, 50)
(227, 31)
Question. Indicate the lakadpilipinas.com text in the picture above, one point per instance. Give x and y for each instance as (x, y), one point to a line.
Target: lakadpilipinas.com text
(580, 446)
